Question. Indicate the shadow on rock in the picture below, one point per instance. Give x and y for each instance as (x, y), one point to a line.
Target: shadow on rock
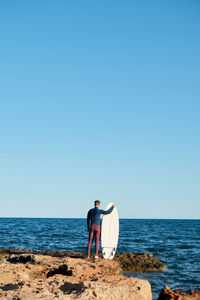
(63, 270)
(14, 259)
(68, 288)
(9, 287)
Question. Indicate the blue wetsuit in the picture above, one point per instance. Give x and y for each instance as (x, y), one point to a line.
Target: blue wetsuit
(94, 214)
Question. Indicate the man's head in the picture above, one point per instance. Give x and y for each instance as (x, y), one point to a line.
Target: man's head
(96, 203)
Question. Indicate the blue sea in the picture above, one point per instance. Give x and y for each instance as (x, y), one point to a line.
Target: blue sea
(174, 242)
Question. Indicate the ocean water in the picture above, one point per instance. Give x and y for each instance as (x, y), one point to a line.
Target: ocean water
(174, 242)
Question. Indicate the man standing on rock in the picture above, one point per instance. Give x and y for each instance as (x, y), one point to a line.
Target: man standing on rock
(93, 224)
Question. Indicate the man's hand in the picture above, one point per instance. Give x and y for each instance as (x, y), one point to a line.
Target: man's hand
(114, 205)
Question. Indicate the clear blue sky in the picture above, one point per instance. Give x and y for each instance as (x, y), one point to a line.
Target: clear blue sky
(100, 100)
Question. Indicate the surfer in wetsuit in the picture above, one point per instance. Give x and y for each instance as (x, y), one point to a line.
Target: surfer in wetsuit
(93, 224)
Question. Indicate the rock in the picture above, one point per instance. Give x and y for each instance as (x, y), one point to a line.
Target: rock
(36, 275)
(118, 287)
(130, 262)
(168, 294)
(141, 262)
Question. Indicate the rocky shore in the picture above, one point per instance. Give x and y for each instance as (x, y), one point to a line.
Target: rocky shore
(26, 274)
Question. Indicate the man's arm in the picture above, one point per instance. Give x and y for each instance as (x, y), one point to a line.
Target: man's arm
(107, 212)
(88, 220)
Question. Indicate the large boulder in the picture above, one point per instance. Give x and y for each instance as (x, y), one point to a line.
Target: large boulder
(141, 262)
(118, 288)
(168, 294)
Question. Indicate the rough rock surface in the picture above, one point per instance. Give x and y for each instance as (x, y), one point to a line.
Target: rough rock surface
(127, 262)
(68, 275)
(141, 262)
(168, 294)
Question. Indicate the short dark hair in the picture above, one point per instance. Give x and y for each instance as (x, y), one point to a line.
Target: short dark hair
(96, 202)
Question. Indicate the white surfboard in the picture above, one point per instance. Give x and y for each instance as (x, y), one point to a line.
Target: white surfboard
(110, 233)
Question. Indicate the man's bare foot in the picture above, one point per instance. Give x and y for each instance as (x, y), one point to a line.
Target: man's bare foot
(96, 257)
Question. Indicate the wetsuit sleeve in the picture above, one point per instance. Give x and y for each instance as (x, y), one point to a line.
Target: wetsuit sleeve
(88, 219)
(107, 212)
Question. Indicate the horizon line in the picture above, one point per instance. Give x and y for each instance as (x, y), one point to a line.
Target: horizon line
(86, 218)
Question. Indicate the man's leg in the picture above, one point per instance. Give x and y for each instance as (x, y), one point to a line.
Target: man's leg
(97, 237)
(91, 235)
